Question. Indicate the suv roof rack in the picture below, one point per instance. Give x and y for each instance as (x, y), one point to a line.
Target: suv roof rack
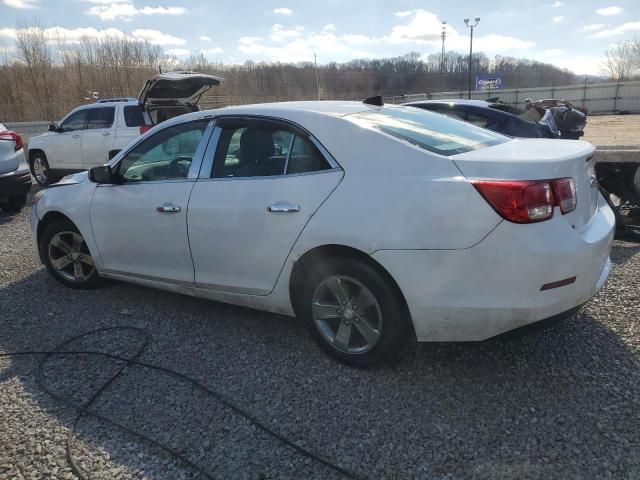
(116, 99)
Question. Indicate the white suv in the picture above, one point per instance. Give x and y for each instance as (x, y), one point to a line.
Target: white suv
(91, 135)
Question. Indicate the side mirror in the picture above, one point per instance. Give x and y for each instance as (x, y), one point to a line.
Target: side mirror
(102, 174)
(54, 128)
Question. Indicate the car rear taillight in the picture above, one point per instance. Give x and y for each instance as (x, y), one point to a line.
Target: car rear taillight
(528, 201)
(564, 193)
(14, 137)
(144, 128)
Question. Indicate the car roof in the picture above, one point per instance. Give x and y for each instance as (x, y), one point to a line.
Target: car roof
(333, 108)
(453, 101)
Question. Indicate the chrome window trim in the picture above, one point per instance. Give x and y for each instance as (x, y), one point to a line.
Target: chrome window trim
(149, 182)
(207, 165)
(267, 177)
(286, 162)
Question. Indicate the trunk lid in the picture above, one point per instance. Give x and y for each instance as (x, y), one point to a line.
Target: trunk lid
(539, 159)
(176, 88)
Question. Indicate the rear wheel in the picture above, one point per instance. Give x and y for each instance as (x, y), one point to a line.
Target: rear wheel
(66, 256)
(40, 169)
(14, 203)
(352, 312)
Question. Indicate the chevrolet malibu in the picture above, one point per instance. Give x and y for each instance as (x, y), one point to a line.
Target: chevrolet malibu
(373, 224)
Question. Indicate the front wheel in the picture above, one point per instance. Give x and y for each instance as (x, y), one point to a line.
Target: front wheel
(14, 203)
(353, 312)
(40, 169)
(66, 256)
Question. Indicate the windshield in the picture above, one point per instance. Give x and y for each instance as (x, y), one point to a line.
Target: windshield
(430, 131)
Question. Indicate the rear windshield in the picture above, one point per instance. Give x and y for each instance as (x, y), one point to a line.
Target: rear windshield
(134, 116)
(430, 131)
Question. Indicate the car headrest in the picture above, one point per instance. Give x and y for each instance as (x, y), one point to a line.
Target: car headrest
(256, 144)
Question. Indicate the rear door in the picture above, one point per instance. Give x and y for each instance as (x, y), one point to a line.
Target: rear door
(245, 213)
(98, 137)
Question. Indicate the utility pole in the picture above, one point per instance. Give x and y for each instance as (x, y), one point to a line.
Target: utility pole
(466, 22)
(443, 35)
(315, 60)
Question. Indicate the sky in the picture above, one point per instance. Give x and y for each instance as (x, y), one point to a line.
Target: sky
(572, 34)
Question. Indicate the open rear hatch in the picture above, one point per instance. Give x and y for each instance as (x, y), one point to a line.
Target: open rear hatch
(177, 88)
(539, 159)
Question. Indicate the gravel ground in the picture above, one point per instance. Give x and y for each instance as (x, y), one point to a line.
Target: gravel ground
(563, 403)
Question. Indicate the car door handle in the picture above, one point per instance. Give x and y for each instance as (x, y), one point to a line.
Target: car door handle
(75, 135)
(283, 207)
(106, 134)
(168, 208)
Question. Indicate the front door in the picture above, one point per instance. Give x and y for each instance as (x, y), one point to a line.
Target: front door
(140, 224)
(98, 137)
(65, 148)
(246, 213)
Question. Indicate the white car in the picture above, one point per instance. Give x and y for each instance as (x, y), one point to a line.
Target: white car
(92, 134)
(15, 179)
(371, 223)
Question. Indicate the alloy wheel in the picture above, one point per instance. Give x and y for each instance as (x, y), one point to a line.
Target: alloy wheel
(40, 170)
(70, 258)
(347, 314)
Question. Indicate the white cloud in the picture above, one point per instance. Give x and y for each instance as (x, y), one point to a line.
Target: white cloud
(330, 27)
(156, 37)
(404, 13)
(69, 35)
(281, 34)
(282, 11)
(421, 31)
(593, 27)
(23, 4)
(178, 52)
(124, 10)
(620, 29)
(608, 11)
(558, 19)
(212, 51)
(204, 38)
(557, 4)
(578, 64)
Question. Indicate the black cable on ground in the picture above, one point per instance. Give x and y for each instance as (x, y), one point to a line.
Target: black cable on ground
(133, 361)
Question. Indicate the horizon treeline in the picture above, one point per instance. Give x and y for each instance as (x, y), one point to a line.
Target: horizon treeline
(45, 79)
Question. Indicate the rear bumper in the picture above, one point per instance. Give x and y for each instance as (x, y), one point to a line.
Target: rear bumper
(17, 182)
(495, 286)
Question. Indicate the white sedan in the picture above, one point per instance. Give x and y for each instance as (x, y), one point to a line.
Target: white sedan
(374, 224)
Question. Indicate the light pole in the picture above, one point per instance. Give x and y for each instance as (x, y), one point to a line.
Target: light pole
(466, 22)
(443, 35)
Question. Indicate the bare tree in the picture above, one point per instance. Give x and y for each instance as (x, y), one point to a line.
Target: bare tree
(619, 60)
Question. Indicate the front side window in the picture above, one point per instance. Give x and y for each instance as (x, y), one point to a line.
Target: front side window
(263, 149)
(76, 121)
(167, 155)
(427, 130)
(100, 118)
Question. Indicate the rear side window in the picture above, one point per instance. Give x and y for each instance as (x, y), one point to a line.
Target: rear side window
(134, 116)
(100, 117)
(434, 133)
(254, 148)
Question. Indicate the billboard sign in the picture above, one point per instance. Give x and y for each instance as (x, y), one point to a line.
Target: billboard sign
(489, 82)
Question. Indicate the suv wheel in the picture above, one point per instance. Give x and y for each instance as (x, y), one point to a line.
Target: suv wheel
(40, 169)
(352, 312)
(14, 203)
(66, 256)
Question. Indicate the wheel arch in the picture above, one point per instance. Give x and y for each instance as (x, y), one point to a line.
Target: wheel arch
(48, 219)
(35, 150)
(323, 252)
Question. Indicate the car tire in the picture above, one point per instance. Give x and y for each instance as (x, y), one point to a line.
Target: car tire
(40, 170)
(66, 256)
(353, 312)
(14, 203)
